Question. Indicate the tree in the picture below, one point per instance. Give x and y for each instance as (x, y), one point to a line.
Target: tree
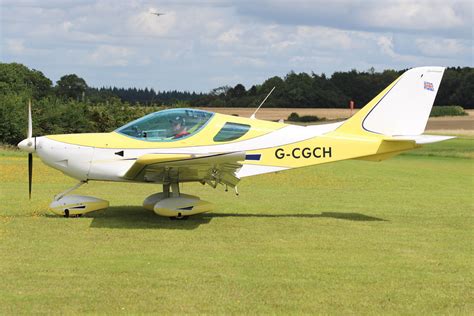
(253, 91)
(17, 78)
(220, 91)
(71, 87)
(237, 92)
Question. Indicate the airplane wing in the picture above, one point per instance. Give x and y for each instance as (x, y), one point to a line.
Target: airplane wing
(165, 168)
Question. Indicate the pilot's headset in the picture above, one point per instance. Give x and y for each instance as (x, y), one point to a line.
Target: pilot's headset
(178, 120)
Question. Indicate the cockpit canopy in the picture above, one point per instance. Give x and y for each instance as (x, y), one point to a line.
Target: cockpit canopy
(167, 125)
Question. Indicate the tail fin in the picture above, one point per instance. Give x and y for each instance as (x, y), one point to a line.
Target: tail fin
(401, 109)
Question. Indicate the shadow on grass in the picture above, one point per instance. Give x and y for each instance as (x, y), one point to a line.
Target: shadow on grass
(135, 217)
(337, 215)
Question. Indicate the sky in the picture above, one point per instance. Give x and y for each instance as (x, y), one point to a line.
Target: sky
(201, 45)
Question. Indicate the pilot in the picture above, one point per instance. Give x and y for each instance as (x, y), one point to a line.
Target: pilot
(179, 127)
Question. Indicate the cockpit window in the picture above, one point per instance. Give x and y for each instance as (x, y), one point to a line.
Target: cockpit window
(167, 125)
(231, 131)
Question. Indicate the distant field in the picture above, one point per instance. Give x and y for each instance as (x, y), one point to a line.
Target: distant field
(465, 123)
(461, 125)
(283, 113)
(354, 237)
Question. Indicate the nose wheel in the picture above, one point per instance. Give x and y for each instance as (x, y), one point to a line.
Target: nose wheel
(68, 215)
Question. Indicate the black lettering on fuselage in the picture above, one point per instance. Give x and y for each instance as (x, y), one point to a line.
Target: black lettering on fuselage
(315, 152)
(305, 153)
(293, 153)
(280, 153)
(327, 151)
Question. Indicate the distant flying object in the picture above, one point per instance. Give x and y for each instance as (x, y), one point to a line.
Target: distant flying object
(157, 13)
(174, 146)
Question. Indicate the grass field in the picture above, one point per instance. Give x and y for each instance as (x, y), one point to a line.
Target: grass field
(352, 237)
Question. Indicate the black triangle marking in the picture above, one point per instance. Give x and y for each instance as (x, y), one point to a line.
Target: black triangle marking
(119, 153)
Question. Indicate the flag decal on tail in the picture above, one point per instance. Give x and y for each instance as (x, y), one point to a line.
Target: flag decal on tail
(429, 86)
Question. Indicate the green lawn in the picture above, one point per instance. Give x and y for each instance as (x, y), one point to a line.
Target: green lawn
(352, 237)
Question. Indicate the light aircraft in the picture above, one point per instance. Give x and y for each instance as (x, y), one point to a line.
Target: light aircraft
(174, 146)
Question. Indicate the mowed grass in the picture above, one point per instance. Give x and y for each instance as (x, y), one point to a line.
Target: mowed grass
(352, 237)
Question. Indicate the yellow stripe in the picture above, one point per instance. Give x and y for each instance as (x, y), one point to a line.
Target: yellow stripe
(203, 137)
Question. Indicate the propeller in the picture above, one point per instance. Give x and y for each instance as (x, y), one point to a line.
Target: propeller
(30, 173)
(29, 145)
(30, 155)
(30, 122)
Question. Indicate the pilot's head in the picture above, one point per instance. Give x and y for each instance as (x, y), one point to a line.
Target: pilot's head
(178, 124)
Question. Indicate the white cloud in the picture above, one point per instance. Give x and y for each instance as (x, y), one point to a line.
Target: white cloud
(442, 47)
(230, 40)
(15, 46)
(414, 15)
(249, 61)
(232, 36)
(329, 38)
(312, 62)
(430, 16)
(386, 45)
(108, 55)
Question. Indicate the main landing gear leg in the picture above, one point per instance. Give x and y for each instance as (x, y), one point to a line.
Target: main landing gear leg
(176, 193)
(173, 204)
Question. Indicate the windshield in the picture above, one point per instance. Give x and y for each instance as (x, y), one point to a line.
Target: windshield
(167, 125)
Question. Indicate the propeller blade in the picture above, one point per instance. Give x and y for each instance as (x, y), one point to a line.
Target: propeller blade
(30, 172)
(30, 121)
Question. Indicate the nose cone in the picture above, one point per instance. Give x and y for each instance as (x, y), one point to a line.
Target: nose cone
(27, 145)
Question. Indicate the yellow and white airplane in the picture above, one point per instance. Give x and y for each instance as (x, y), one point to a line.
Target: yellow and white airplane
(189, 145)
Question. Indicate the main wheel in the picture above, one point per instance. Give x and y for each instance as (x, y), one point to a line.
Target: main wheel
(179, 218)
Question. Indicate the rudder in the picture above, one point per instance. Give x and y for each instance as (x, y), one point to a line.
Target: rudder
(401, 109)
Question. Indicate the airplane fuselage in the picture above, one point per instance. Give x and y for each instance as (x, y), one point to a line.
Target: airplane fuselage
(108, 156)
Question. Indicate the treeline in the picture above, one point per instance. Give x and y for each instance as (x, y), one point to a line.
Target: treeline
(141, 96)
(302, 90)
(295, 90)
(70, 105)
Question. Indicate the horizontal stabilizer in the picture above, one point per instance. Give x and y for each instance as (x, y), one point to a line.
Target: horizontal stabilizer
(421, 139)
(393, 146)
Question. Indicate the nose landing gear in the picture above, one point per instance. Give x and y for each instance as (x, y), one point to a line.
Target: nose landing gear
(76, 205)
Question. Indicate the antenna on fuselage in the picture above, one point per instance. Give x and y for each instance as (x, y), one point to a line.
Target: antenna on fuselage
(253, 115)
